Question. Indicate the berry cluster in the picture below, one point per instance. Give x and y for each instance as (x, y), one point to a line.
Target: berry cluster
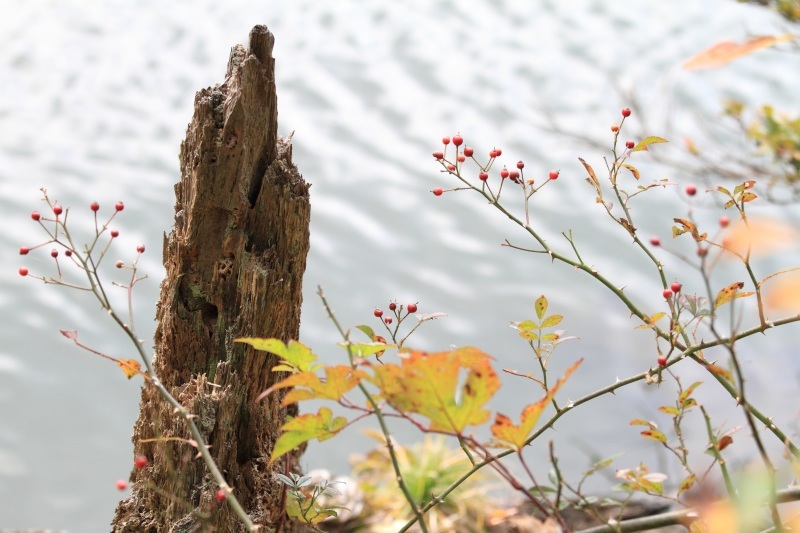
(59, 235)
(454, 167)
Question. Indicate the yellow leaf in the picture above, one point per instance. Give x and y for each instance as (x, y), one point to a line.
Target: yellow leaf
(504, 429)
(308, 386)
(131, 367)
(723, 53)
(434, 386)
(729, 293)
(304, 428)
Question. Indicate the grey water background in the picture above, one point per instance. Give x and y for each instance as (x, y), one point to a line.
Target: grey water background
(95, 99)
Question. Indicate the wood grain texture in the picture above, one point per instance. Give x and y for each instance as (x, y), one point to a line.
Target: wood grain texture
(235, 260)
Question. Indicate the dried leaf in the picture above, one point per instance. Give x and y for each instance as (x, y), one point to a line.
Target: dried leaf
(633, 170)
(723, 53)
(688, 227)
(724, 442)
(592, 179)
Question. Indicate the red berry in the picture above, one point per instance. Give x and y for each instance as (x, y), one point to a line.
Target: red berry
(629, 145)
(530, 181)
(498, 151)
(667, 293)
(23, 250)
(655, 241)
(392, 306)
(614, 128)
(57, 209)
(35, 215)
(114, 233)
(626, 112)
(220, 495)
(691, 189)
(483, 176)
(437, 191)
(53, 253)
(445, 140)
(95, 206)
(493, 154)
(122, 484)
(377, 312)
(702, 251)
(412, 308)
(662, 361)
(451, 168)
(140, 248)
(676, 287)
(554, 174)
(388, 320)
(438, 155)
(520, 165)
(140, 461)
(468, 151)
(461, 158)
(458, 140)
(504, 173)
(119, 263)
(119, 206)
(68, 253)
(23, 271)
(514, 175)
(724, 221)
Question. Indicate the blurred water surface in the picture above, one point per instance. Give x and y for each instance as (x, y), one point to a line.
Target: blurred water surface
(94, 103)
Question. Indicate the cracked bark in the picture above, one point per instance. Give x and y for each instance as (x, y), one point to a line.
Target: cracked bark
(235, 260)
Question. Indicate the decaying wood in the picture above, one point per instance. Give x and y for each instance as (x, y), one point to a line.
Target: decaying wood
(235, 260)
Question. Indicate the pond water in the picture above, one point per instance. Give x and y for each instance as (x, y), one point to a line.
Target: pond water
(95, 102)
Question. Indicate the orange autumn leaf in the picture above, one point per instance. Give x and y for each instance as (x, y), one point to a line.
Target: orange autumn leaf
(688, 227)
(516, 436)
(760, 235)
(131, 367)
(784, 294)
(726, 51)
(304, 428)
(434, 386)
(308, 386)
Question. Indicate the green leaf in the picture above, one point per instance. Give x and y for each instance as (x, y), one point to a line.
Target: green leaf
(551, 321)
(365, 349)
(541, 306)
(296, 355)
(643, 144)
(367, 331)
(304, 428)
(526, 325)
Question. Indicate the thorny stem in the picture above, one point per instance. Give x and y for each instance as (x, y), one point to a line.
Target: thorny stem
(90, 268)
(713, 447)
(379, 416)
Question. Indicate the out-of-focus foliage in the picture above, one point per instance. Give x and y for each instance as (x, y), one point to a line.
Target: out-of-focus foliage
(789, 9)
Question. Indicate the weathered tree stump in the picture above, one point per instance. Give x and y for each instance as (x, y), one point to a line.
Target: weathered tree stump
(235, 261)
